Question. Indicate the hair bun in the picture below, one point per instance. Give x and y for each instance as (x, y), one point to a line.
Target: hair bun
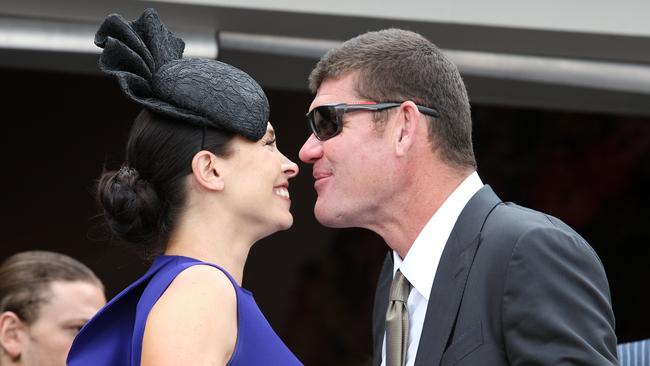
(130, 205)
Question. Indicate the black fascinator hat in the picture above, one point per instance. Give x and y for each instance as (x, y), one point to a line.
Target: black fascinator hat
(147, 60)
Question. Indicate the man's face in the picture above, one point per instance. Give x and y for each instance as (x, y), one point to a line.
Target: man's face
(350, 168)
(71, 304)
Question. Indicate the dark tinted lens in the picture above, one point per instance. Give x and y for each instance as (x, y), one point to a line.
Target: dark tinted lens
(324, 122)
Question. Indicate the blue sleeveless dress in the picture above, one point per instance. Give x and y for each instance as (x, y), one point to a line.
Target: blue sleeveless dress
(113, 337)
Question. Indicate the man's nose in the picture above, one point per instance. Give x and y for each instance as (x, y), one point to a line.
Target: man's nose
(311, 150)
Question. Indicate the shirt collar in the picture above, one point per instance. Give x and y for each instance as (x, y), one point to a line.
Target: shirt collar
(421, 262)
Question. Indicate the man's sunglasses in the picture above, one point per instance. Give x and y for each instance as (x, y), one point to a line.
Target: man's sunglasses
(326, 121)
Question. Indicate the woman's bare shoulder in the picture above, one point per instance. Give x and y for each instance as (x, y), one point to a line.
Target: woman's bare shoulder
(194, 321)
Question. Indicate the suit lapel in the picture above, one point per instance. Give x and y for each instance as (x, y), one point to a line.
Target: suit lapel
(451, 277)
(380, 307)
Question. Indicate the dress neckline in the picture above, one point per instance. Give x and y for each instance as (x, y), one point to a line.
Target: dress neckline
(162, 259)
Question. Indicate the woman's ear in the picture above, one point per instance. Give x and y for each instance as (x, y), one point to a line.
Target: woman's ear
(11, 337)
(207, 170)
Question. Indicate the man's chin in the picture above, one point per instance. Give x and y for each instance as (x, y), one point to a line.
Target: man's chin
(330, 218)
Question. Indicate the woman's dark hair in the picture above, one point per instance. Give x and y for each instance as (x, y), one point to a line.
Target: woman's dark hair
(25, 280)
(141, 201)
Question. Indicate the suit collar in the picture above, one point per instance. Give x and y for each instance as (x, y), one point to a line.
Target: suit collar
(451, 277)
(421, 262)
(448, 286)
(380, 307)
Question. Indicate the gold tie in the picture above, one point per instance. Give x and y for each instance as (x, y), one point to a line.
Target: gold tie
(397, 321)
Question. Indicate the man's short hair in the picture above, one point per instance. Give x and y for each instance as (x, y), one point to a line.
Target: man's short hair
(25, 280)
(399, 65)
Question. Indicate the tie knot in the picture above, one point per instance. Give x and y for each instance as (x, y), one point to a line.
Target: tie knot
(400, 288)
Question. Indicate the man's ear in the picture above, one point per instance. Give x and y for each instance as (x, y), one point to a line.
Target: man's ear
(405, 128)
(207, 170)
(11, 334)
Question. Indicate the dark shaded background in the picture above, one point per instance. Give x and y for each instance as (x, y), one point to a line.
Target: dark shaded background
(315, 284)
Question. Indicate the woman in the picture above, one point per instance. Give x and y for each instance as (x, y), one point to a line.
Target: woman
(203, 180)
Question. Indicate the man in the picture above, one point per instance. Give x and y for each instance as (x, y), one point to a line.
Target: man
(471, 280)
(45, 299)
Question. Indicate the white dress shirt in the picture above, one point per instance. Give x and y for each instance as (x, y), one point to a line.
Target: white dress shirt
(421, 262)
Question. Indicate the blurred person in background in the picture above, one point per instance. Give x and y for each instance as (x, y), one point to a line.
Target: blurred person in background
(45, 299)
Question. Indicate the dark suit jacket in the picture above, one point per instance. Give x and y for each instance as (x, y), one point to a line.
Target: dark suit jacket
(513, 287)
